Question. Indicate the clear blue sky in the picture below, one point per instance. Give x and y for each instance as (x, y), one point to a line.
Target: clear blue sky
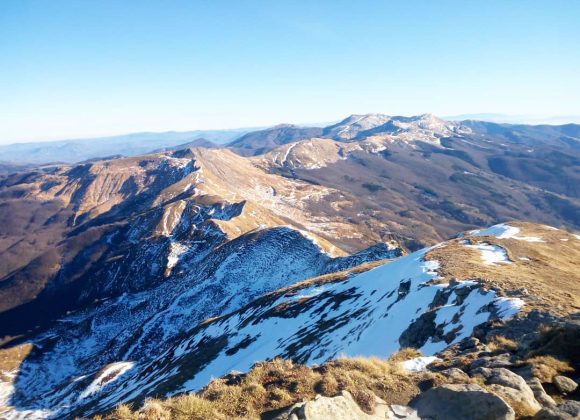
(77, 68)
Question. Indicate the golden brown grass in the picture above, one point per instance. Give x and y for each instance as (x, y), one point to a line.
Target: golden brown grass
(280, 383)
(550, 271)
(499, 343)
(546, 367)
(522, 410)
(12, 357)
(183, 407)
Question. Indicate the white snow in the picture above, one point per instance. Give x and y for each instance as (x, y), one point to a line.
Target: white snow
(529, 238)
(508, 307)
(285, 158)
(419, 363)
(110, 374)
(176, 249)
(503, 231)
(500, 231)
(491, 254)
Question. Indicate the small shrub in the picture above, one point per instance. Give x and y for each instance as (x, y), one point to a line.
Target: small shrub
(154, 410)
(327, 386)
(364, 398)
(192, 407)
(123, 412)
(280, 396)
(406, 353)
(373, 187)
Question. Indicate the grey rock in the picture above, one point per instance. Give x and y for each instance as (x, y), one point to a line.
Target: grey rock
(540, 393)
(509, 385)
(499, 361)
(469, 343)
(344, 407)
(567, 411)
(459, 402)
(402, 412)
(455, 375)
(571, 407)
(564, 384)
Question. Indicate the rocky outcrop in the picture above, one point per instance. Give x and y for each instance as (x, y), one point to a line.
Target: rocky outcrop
(567, 411)
(564, 384)
(344, 407)
(459, 402)
(540, 393)
(509, 386)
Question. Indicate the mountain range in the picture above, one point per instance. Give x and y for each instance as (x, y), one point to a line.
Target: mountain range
(132, 277)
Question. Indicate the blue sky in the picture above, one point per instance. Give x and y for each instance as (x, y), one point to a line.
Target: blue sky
(87, 68)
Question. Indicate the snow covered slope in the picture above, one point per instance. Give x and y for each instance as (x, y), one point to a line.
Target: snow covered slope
(362, 311)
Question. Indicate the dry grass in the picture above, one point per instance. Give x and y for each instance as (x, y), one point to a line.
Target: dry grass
(522, 410)
(183, 407)
(12, 357)
(546, 367)
(280, 383)
(550, 271)
(406, 353)
(501, 344)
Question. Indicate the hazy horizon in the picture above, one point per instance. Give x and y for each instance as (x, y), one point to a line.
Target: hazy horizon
(78, 69)
(484, 116)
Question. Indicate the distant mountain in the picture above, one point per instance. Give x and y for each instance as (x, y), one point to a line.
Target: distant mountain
(258, 142)
(201, 142)
(517, 119)
(351, 127)
(70, 151)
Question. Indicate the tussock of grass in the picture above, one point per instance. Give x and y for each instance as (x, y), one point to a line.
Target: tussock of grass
(501, 344)
(546, 367)
(522, 410)
(406, 353)
(280, 383)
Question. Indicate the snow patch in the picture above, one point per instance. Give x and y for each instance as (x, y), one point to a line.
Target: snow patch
(491, 254)
(500, 231)
(419, 364)
(110, 374)
(503, 231)
(508, 307)
(176, 249)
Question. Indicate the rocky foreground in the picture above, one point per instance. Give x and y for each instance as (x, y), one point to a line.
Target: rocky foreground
(531, 375)
(487, 322)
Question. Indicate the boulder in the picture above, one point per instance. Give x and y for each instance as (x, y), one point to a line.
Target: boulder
(540, 393)
(344, 407)
(570, 410)
(509, 385)
(564, 384)
(498, 361)
(469, 343)
(459, 402)
(455, 376)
